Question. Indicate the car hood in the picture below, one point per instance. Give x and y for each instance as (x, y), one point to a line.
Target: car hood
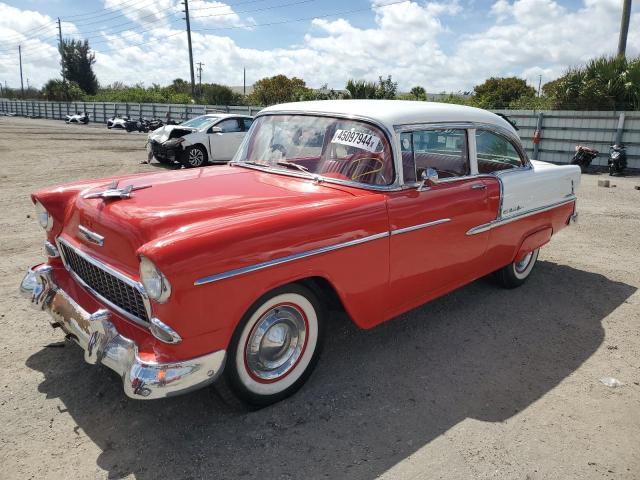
(166, 132)
(169, 202)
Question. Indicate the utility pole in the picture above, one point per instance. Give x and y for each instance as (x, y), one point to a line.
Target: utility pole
(200, 64)
(244, 82)
(21, 82)
(186, 17)
(60, 48)
(624, 27)
(539, 83)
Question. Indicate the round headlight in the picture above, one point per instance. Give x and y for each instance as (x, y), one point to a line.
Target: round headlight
(44, 219)
(154, 282)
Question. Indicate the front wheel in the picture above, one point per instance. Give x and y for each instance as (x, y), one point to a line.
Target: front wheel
(517, 272)
(194, 156)
(275, 348)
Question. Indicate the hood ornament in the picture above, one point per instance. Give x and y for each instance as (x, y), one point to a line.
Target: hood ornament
(113, 192)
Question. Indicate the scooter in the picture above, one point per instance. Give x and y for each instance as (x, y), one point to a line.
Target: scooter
(77, 118)
(583, 157)
(617, 159)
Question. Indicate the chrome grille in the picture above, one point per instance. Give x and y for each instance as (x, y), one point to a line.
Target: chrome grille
(111, 288)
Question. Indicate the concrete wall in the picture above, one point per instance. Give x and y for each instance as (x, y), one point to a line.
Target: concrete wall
(561, 130)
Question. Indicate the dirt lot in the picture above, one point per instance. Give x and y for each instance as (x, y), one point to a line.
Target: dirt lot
(483, 383)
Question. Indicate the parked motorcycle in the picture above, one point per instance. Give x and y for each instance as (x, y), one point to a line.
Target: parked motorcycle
(583, 157)
(117, 122)
(77, 118)
(617, 159)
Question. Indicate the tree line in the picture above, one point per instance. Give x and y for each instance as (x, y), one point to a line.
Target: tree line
(604, 83)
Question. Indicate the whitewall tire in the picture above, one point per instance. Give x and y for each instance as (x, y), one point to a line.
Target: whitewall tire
(275, 346)
(517, 272)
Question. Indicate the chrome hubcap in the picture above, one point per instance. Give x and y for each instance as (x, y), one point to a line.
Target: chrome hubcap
(522, 265)
(195, 157)
(276, 343)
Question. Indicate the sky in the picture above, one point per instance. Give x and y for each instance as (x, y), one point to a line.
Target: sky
(442, 46)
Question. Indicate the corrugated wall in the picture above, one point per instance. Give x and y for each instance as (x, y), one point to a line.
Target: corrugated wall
(561, 130)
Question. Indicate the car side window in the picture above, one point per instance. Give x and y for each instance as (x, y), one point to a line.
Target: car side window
(247, 123)
(230, 125)
(495, 152)
(444, 150)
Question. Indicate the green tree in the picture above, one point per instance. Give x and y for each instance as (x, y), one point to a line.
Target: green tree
(361, 89)
(56, 90)
(604, 83)
(180, 86)
(384, 88)
(387, 88)
(277, 89)
(77, 65)
(418, 93)
(215, 94)
(500, 92)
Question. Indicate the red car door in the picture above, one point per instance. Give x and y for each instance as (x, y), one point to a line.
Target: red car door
(430, 251)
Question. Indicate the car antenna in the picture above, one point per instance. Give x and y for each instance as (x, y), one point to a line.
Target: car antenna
(511, 122)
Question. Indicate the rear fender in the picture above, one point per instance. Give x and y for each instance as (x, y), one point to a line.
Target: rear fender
(533, 242)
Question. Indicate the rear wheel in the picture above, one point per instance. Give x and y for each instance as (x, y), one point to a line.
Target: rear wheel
(517, 272)
(275, 348)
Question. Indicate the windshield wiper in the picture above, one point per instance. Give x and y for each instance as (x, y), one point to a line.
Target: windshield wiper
(286, 163)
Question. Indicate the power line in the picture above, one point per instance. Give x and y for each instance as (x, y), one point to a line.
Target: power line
(346, 12)
(272, 7)
(25, 36)
(101, 10)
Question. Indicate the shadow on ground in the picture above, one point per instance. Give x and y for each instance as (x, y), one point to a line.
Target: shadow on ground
(376, 397)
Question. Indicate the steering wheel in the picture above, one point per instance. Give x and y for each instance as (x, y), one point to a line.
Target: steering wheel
(375, 169)
(280, 148)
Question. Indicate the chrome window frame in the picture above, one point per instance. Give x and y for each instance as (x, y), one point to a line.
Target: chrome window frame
(391, 139)
(467, 133)
(128, 280)
(471, 129)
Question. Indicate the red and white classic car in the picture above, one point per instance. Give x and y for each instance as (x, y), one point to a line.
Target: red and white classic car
(180, 279)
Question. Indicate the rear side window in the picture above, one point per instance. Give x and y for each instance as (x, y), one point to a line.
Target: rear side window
(230, 125)
(495, 153)
(247, 123)
(443, 150)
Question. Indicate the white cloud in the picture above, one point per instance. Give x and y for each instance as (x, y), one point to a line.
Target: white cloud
(525, 38)
(155, 13)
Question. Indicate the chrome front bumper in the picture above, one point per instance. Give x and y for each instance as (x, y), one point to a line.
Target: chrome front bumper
(103, 344)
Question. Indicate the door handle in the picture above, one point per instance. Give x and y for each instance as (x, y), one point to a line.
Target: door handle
(478, 186)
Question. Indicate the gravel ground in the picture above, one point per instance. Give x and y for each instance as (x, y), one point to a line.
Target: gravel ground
(482, 383)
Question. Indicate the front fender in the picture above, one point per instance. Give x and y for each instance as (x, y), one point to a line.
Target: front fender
(358, 271)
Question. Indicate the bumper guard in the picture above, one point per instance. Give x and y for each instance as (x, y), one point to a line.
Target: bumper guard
(102, 343)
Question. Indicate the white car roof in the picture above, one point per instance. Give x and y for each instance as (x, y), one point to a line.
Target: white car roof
(225, 115)
(396, 112)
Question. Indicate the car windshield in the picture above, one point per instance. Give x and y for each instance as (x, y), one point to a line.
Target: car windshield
(334, 148)
(200, 122)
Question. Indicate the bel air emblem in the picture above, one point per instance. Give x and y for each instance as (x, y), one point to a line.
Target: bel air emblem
(112, 192)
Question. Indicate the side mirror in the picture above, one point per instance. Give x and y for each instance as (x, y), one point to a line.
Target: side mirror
(216, 129)
(429, 178)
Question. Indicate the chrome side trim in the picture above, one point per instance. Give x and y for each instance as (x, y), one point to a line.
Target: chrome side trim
(287, 259)
(418, 227)
(317, 251)
(137, 285)
(503, 221)
(90, 236)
